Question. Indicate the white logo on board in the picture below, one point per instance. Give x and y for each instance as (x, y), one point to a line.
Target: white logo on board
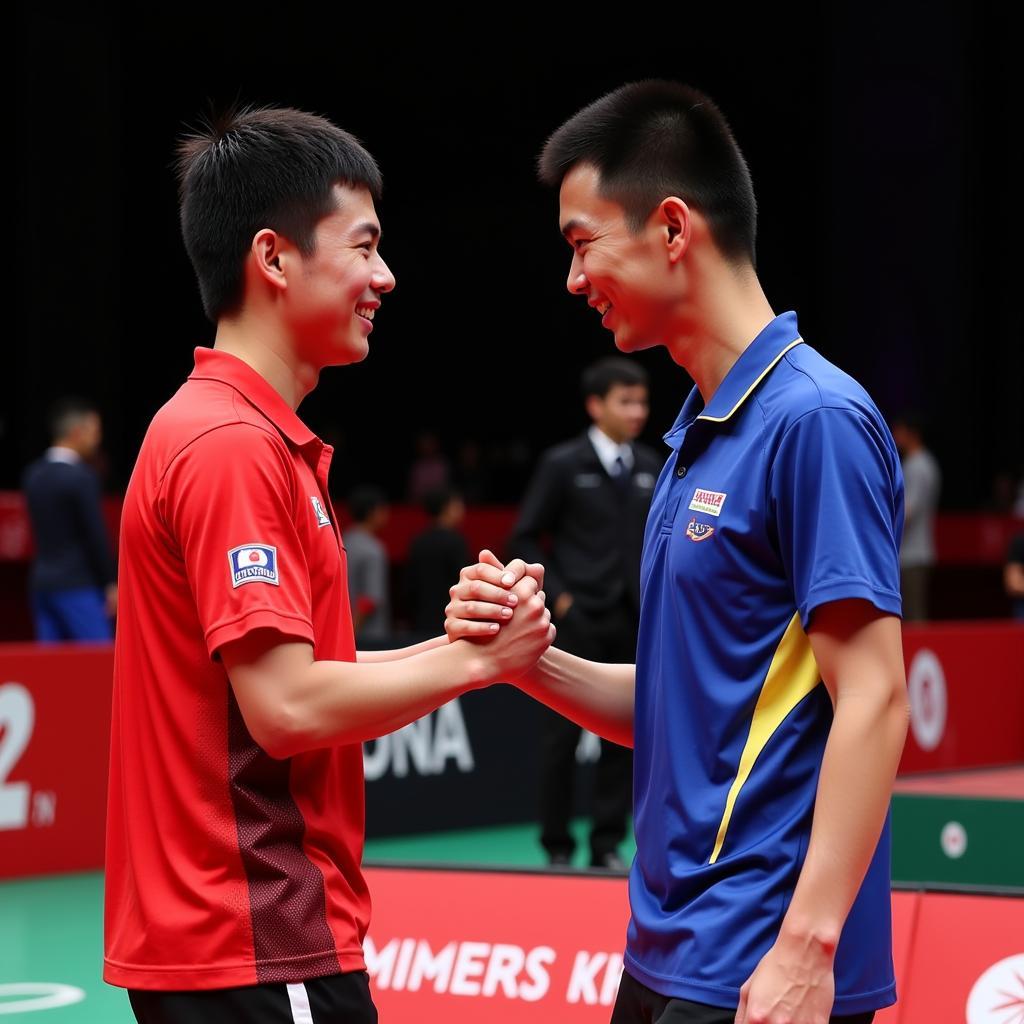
(998, 995)
(926, 684)
(426, 746)
(953, 840)
(20, 805)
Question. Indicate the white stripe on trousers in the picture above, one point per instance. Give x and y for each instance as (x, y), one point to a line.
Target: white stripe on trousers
(299, 999)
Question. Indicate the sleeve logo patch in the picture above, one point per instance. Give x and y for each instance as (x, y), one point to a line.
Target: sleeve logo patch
(253, 563)
(318, 509)
(709, 502)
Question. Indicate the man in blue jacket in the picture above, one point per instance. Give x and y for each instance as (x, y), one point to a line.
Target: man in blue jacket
(72, 582)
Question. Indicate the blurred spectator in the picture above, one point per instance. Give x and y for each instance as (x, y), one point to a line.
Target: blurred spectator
(72, 580)
(1004, 493)
(583, 516)
(430, 471)
(922, 482)
(470, 473)
(1013, 576)
(436, 557)
(368, 564)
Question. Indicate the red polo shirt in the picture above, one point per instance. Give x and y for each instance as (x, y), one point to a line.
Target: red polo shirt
(224, 866)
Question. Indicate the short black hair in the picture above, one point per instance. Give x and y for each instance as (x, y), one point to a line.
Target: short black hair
(653, 139)
(599, 378)
(364, 501)
(65, 413)
(437, 499)
(255, 168)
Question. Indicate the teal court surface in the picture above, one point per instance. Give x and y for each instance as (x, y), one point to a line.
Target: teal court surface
(51, 928)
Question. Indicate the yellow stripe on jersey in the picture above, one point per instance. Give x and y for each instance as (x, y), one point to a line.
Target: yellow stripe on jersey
(792, 675)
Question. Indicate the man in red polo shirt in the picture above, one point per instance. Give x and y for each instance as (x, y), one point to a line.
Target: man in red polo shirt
(235, 815)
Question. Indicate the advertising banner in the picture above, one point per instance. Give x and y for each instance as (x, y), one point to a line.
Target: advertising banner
(966, 687)
(466, 946)
(54, 749)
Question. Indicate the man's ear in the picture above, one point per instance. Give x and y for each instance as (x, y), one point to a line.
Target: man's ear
(676, 220)
(270, 257)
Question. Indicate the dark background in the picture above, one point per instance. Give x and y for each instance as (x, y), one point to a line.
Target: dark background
(884, 145)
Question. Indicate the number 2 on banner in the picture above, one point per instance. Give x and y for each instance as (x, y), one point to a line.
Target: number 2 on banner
(17, 717)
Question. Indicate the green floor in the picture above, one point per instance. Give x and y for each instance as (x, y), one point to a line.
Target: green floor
(51, 928)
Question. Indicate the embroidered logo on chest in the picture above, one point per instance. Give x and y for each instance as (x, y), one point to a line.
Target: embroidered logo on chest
(710, 502)
(698, 531)
(318, 508)
(254, 563)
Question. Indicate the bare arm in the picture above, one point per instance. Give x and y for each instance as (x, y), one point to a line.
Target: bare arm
(375, 657)
(598, 697)
(859, 653)
(291, 702)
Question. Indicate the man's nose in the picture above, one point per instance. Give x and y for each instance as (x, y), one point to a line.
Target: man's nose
(383, 279)
(577, 280)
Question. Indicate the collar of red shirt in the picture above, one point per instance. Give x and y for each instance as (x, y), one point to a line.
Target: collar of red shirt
(212, 364)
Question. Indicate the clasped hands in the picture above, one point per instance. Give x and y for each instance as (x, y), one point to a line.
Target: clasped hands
(501, 609)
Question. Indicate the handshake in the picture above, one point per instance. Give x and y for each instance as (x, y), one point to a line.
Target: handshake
(500, 610)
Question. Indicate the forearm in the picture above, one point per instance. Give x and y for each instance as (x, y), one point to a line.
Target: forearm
(854, 790)
(332, 702)
(375, 657)
(599, 697)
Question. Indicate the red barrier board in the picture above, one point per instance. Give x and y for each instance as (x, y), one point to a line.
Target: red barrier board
(967, 961)
(966, 686)
(54, 748)
(469, 946)
(973, 538)
(464, 946)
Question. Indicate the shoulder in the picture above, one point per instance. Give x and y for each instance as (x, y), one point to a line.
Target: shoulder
(805, 388)
(34, 471)
(206, 422)
(567, 452)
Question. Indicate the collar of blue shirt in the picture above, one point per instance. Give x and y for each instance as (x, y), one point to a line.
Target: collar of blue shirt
(753, 365)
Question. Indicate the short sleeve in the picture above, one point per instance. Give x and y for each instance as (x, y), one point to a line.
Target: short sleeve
(229, 502)
(836, 496)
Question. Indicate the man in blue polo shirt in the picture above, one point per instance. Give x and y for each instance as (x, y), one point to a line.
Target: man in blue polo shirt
(767, 707)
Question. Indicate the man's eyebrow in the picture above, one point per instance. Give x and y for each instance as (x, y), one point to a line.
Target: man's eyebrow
(367, 227)
(573, 225)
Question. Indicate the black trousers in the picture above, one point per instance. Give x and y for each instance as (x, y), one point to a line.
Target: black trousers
(607, 637)
(637, 1004)
(336, 999)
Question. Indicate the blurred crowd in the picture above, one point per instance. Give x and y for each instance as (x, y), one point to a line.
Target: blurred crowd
(72, 583)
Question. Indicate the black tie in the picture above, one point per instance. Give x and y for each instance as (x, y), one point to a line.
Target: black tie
(621, 474)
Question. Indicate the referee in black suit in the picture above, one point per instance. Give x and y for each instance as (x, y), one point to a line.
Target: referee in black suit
(583, 516)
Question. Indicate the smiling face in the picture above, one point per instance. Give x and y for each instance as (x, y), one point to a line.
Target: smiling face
(333, 298)
(630, 278)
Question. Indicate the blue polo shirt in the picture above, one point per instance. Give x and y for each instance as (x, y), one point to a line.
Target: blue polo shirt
(784, 493)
